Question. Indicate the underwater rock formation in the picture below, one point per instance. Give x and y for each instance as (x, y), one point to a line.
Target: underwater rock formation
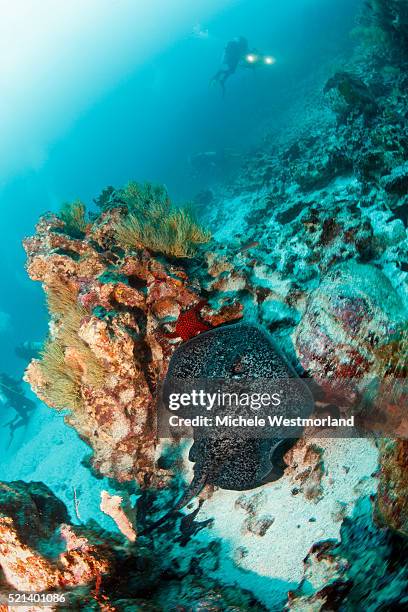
(392, 498)
(117, 314)
(354, 312)
(362, 571)
(39, 549)
(352, 96)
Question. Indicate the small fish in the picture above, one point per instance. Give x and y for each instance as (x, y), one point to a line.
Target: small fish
(199, 32)
(248, 246)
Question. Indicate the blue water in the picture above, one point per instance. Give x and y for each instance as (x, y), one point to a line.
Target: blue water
(148, 119)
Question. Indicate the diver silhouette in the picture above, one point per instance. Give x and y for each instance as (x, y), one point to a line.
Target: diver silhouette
(235, 52)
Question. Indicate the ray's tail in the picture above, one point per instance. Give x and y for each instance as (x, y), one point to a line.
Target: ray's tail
(195, 487)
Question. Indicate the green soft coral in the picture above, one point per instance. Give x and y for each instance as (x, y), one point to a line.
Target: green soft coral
(73, 216)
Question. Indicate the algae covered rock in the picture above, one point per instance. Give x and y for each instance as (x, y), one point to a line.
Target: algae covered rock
(362, 571)
(351, 314)
(35, 511)
(40, 550)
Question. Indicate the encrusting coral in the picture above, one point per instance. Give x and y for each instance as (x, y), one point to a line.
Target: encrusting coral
(118, 311)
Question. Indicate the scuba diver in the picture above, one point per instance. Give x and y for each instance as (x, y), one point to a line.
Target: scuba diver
(234, 53)
(12, 396)
(237, 52)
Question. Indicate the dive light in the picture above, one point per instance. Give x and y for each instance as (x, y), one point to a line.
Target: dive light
(255, 58)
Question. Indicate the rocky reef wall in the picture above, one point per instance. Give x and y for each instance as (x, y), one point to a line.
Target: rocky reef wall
(117, 315)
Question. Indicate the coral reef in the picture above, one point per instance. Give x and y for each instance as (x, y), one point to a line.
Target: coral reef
(117, 314)
(310, 242)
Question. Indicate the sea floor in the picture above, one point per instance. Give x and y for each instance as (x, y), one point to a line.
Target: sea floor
(49, 451)
(265, 533)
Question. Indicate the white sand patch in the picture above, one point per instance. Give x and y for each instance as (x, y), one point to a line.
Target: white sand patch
(271, 564)
(49, 451)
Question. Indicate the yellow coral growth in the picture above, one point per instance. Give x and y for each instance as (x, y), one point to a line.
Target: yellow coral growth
(62, 389)
(74, 217)
(67, 360)
(61, 296)
(153, 223)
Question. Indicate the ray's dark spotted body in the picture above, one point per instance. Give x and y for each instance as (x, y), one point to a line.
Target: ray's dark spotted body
(234, 352)
(226, 352)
